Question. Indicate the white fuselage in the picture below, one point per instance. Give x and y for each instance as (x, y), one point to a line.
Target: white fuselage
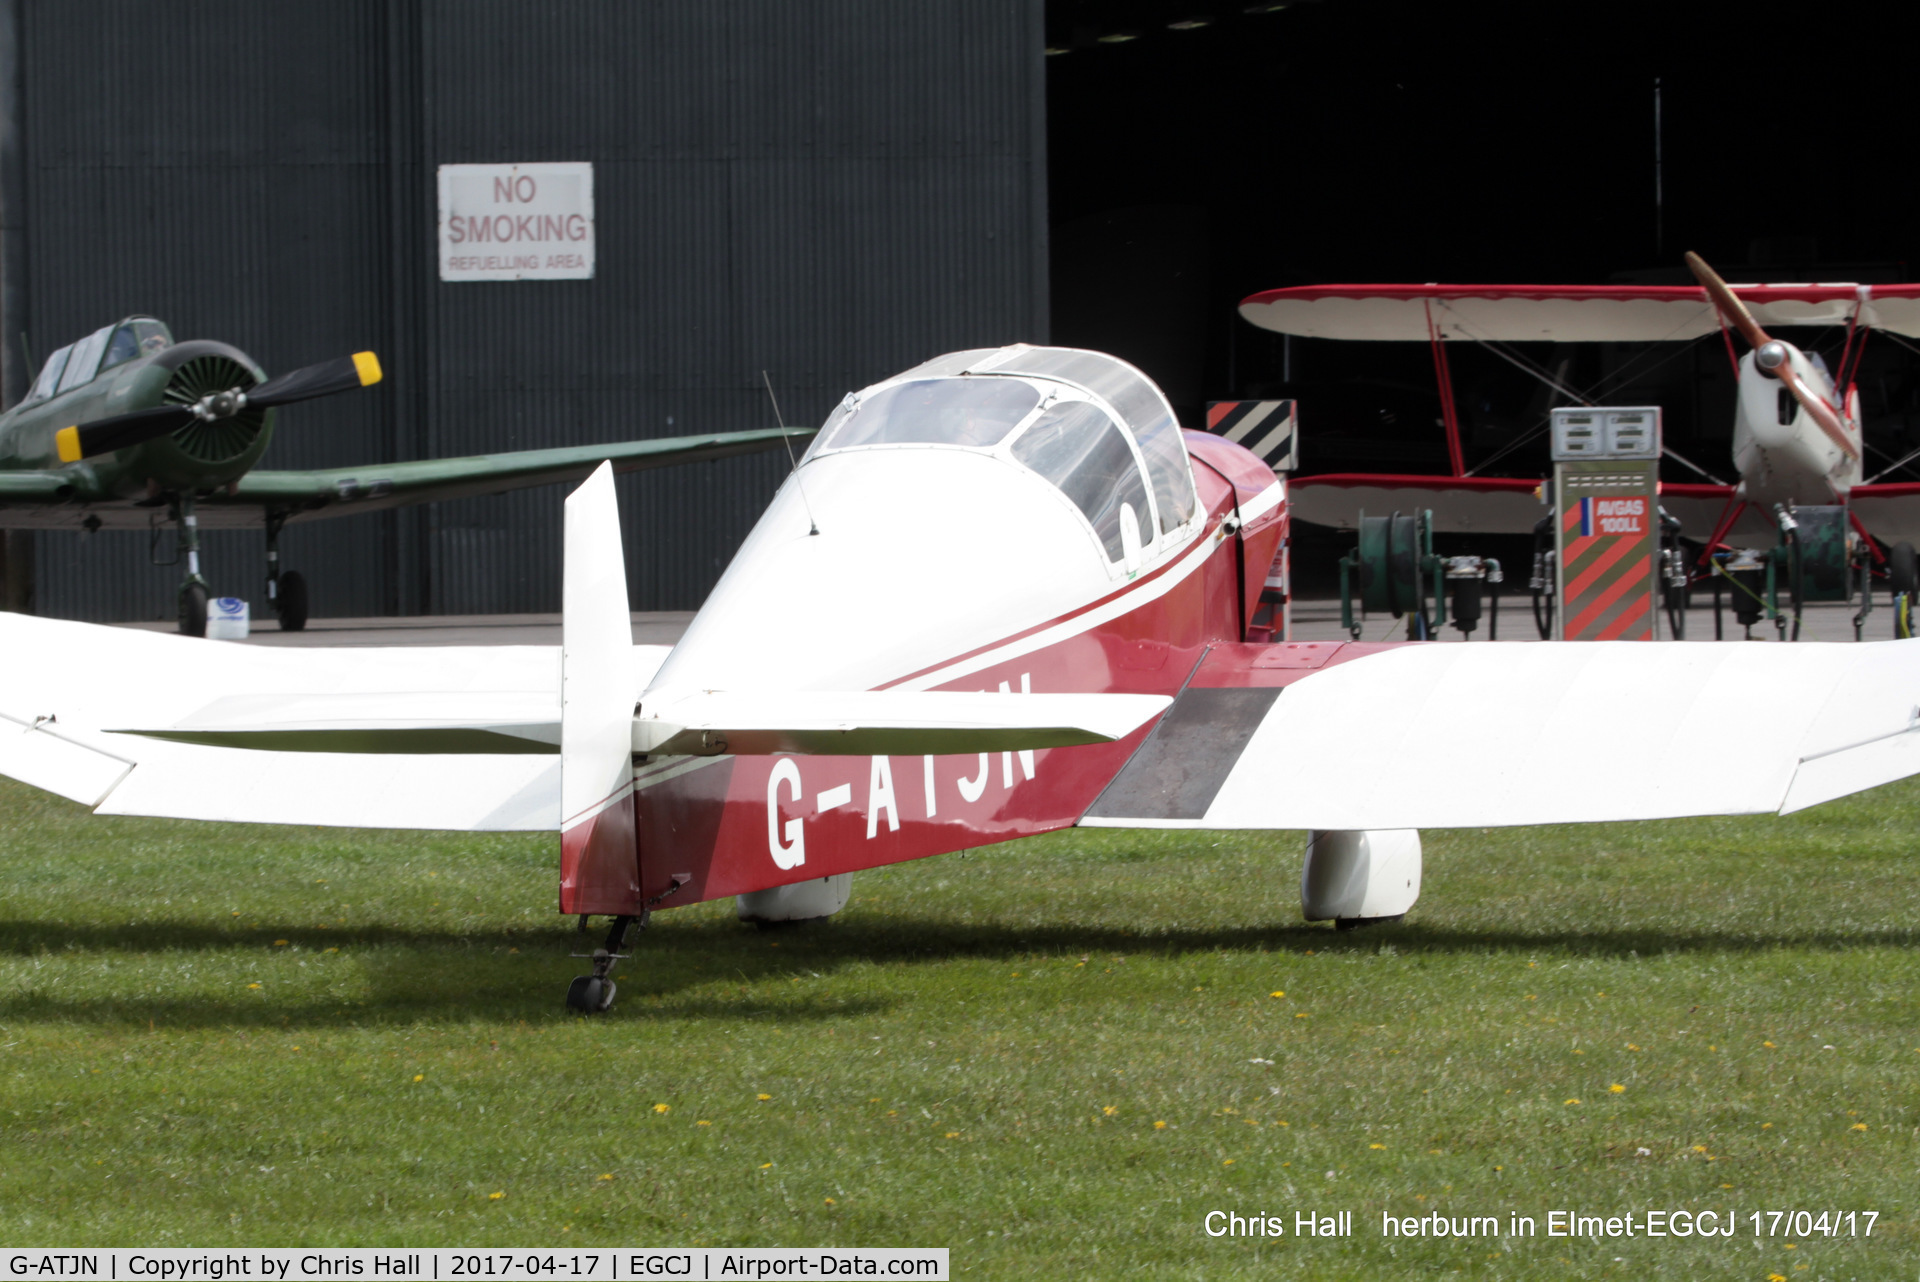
(1781, 453)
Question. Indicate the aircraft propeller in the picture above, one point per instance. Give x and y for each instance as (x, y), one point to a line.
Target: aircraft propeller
(104, 435)
(1770, 354)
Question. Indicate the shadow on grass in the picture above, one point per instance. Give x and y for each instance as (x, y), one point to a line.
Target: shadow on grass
(400, 975)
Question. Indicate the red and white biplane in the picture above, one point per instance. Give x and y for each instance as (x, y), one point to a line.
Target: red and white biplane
(1003, 594)
(1796, 434)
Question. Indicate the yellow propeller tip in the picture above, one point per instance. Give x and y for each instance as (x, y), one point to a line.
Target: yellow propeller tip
(368, 367)
(67, 442)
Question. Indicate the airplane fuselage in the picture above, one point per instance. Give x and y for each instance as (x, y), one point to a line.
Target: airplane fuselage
(196, 459)
(1024, 596)
(1780, 452)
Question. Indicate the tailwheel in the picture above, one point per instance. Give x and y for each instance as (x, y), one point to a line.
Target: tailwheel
(193, 609)
(593, 994)
(590, 994)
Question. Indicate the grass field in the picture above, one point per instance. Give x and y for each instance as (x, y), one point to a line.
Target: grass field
(1053, 1057)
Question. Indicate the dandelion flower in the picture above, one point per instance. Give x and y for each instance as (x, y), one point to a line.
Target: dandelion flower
(1159, 1126)
(1573, 1101)
(1726, 1186)
(763, 1096)
(279, 943)
(253, 985)
(953, 1135)
(419, 1077)
(1632, 1047)
(1616, 1088)
(1858, 1126)
(1111, 1109)
(1376, 1146)
(766, 1166)
(1228, 1162)
(606, 1177)
(1278, 992)
(1766, 1126)
(495, 1197)
(662, 1108)
(1299, 1014)
(703, 1123)
(1769, 1045)
(829, 1201)
(1699, 1148)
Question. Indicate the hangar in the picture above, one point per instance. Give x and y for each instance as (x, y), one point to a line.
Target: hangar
(825, 192)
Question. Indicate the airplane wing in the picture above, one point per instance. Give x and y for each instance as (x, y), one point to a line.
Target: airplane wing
(1509, 505)
(1482, 504)
(28, 500)
(1565, 313)
(1890, 511)
(31, 487)
(1459, 736)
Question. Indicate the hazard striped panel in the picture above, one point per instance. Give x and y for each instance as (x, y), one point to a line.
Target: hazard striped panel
(1268, 428)
(1607, 544)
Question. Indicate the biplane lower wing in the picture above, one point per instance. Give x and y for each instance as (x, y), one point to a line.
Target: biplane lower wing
(1567, 733)
(1482, 504)
(49, 499)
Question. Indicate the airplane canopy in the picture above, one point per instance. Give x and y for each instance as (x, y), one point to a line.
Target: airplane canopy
(945, 402)
(1565, 313)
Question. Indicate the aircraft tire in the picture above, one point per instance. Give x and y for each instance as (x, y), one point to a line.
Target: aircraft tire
(590, 994)
(293, 602)
(193, 610)
(1903, 570)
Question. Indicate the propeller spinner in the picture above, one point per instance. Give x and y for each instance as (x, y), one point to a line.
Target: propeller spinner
(1770, 354)
(103, 436)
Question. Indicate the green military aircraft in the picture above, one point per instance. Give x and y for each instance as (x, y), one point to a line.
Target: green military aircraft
(127, 429)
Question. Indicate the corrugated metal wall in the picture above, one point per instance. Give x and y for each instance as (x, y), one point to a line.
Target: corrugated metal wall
(829, 192)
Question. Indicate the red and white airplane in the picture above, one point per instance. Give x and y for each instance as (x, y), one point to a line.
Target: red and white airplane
(1796, 435)
(1003, 594)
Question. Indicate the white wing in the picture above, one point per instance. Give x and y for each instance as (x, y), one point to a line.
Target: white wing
(1454, 736)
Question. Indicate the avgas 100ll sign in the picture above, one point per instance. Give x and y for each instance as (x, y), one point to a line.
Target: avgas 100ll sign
(517, 222)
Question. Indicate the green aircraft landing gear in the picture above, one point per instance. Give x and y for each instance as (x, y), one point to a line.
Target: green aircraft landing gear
(287, 592)
(193, 590)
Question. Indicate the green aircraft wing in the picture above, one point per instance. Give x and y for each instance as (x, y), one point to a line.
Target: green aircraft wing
(344, 491)
(30, 487)
(47, 499)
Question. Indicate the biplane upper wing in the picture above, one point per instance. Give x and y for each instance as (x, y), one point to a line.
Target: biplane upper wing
(1571, 732)
(1565, 313)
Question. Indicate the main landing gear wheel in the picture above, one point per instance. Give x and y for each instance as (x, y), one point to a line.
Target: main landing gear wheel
(193, 609)
(292, 601)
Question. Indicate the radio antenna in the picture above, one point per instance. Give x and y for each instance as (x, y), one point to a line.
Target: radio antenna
(813, 526)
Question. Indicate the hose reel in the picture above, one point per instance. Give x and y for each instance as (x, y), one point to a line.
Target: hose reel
(1395, 571)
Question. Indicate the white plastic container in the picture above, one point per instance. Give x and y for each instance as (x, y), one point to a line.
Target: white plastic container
(226, 619)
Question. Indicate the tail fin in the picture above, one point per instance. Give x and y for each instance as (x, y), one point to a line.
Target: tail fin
(599, 851)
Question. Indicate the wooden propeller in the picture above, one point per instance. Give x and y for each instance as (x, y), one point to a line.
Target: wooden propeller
(1771, 355)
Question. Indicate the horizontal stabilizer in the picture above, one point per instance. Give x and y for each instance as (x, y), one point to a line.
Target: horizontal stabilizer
(412, 723)
(859, 722)
(881, 722)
